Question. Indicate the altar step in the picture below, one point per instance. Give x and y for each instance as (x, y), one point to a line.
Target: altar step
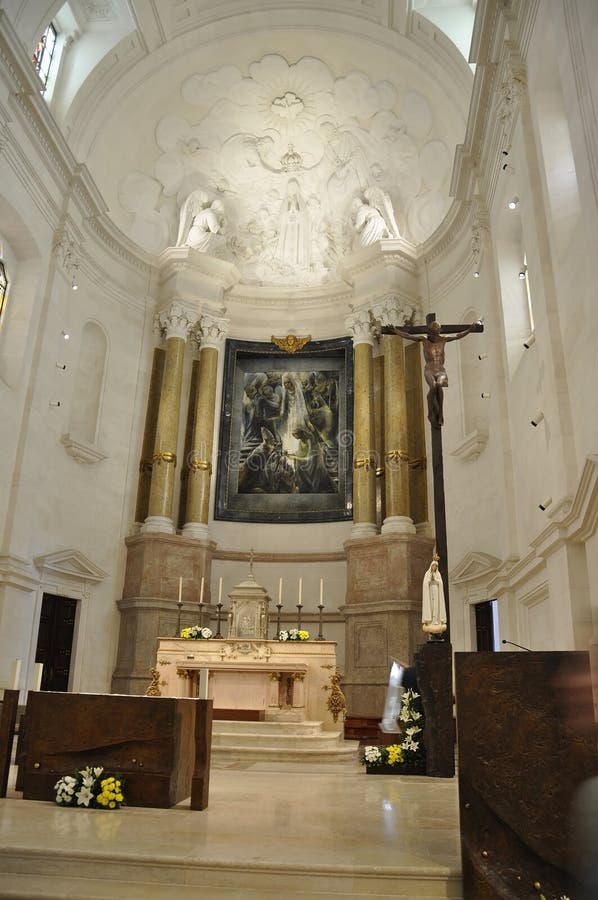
(282, 741)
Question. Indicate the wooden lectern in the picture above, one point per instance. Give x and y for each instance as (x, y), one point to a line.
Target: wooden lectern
(522, 756)
(159, 745)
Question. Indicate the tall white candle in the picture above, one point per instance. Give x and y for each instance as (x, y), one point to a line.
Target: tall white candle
(220, 590)
(38, 671)
(321, 592)
(16, 674)
(201, 592)
(280, 591)
(300, 587)
(180, 590)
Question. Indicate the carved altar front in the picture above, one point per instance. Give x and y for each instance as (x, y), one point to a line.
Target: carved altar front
(286, 680)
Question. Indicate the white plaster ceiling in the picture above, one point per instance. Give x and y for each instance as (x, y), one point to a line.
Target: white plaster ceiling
(249, 103)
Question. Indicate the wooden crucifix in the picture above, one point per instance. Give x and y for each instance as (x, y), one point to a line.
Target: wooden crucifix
(433, 340)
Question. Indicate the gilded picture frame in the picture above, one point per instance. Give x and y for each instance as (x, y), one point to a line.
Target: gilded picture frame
(286, 433)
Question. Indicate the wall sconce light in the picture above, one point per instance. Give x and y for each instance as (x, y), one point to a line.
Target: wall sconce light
(509, 169)
(539, 416)
(61, 366)
(523, 273)
(513, 203)
(54, 403)
(65, 335)
(544, 504)
(485, 395)
(530, 341)
(476, 274)
(482, 356)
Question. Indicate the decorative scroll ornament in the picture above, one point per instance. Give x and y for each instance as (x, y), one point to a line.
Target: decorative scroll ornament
(291, 343)
(336, 702)
(365, 462)
(153, 689)
(479, 236)
(392, 455)
(511, 90)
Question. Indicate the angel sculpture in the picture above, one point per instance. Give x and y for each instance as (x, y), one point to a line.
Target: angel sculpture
(201, 222)
(378, 198)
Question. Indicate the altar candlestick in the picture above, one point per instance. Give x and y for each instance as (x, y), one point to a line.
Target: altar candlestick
(220, 590)
(280, 590)
(201, 592)
(321, 592)
(300, 586)
(180, 600)
(16, 674)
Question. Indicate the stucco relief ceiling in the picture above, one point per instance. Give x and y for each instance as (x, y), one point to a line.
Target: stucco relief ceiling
(292, 167)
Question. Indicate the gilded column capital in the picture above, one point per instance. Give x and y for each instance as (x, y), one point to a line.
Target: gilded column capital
(360, 326)
(212, 331)
(175, 321)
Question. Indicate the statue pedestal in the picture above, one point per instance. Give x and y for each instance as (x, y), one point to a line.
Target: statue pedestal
(383, 614)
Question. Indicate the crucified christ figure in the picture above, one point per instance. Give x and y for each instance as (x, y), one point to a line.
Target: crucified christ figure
(433, 342)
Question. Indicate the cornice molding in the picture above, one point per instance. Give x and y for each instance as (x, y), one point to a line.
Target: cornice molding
(69, 563)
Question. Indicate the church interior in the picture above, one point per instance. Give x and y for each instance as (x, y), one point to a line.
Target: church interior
(225, 228)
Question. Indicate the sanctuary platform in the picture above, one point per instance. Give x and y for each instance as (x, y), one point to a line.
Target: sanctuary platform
(271, 830)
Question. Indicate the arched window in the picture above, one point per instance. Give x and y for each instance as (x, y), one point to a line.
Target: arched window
(43, 53)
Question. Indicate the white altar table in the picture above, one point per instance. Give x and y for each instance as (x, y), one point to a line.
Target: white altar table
(287, 680)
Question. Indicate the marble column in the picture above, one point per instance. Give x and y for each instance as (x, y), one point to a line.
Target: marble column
(175, 324)
(149, 435)
(364, 456)
(212, 334)
(396, 456)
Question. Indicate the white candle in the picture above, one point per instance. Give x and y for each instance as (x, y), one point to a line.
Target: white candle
(321, 592)
(300, 586)
(16, 674)
(201, 592)
(220, 590)
(280, 591)
(180, 590)
(38, 671)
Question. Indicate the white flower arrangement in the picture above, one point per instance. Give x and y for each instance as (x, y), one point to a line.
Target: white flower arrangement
(87, 788)
(410, 751)
(196, 633)
(293, 634)
(411, 724)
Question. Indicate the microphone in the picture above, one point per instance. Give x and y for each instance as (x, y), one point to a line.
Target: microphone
(521, 647)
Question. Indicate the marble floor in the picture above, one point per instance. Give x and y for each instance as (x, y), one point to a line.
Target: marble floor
(271, 829)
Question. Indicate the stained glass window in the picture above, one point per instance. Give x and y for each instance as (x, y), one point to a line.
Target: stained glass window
(3, 287)
(44, 50)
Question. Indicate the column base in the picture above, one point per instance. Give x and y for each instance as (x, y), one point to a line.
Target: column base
(397, 525)
(196, 530)
(158, 523)
(363, 530)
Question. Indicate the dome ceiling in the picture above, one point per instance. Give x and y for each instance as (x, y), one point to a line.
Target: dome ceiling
(281, 151)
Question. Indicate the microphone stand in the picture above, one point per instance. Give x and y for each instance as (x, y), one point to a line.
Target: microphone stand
(521, 647)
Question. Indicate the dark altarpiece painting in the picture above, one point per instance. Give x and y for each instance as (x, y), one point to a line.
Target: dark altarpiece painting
(286, 433)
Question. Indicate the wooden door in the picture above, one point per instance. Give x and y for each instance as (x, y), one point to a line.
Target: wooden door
(55, 641)
(484, 626)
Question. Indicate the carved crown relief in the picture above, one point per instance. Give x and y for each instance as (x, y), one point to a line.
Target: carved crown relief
(288, 169)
